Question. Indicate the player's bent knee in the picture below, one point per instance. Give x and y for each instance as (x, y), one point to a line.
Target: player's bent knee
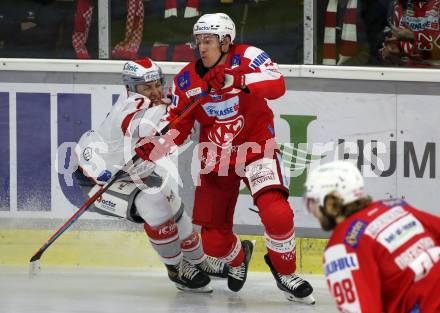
(153, 208)
(275, 212)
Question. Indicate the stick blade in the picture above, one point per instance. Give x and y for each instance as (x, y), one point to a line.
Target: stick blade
(34, 268)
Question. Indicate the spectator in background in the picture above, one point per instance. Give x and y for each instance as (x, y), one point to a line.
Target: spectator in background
(376, 19)
(413, 34)
(345, 41)
(176, 47)
(127, 48)
(6, 27)
(275, 26)
(83, 20)
(34, 28)
(265, 24)
(191, 8)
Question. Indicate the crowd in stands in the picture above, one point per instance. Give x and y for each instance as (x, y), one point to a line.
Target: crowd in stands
(348, 32)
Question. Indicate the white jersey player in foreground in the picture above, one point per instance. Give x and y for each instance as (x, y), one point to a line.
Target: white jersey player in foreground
(142, 196)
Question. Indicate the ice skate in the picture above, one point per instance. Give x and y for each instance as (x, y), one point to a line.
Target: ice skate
(294, 287)
(237, 275)
(187, 277)
(214, 267)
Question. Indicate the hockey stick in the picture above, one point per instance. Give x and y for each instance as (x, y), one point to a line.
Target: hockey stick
(34, 267)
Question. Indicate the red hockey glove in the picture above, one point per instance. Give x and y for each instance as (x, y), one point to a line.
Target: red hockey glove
(234, 79)
(216, 77)
(224, 79)
(155, 147)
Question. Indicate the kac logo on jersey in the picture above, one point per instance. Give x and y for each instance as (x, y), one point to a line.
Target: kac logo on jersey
(222, 110)
(223, 132)
(183, 81)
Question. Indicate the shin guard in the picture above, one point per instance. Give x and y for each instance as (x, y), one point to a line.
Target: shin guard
(222, 244)
(277, 217)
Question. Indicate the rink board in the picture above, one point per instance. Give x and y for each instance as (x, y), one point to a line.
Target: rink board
(124, 249)
(389, 129)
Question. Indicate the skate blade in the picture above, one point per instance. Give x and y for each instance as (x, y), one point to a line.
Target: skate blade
(306, 300)
(204, 289)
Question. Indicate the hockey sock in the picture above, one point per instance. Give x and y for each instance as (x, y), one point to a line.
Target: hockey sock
(192, 248)
(189, 240)
(83, 19)
(236, 256)
(165, 240)
(223, 244)
(277, 218)
(282, 252)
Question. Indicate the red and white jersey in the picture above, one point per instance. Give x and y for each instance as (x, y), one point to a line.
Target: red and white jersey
(103, 151)
(229, 120)
(385, 258)
(422, 17)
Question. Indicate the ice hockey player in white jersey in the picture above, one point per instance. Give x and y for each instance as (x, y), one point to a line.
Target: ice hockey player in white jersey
(143, 196)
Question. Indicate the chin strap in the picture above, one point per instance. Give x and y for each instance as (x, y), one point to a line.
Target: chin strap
(221, 55)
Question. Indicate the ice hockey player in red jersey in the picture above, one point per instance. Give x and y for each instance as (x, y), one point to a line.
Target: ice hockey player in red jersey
(383, 256)
(415, 34)
(143, 196)
(236, 143)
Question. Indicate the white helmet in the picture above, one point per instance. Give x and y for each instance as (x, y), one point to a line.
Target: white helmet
(140, 72)
(219, 24)
(339, 177)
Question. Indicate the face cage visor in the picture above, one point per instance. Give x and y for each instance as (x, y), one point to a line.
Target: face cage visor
(132, 81)
(206, 38)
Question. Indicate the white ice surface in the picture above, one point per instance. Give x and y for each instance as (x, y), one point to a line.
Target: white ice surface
(79, 291)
